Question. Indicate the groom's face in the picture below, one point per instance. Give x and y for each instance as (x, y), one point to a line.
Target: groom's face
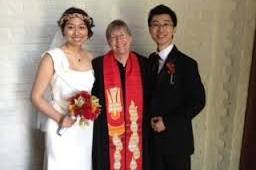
(162, 30)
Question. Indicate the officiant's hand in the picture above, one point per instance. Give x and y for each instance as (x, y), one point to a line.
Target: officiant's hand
(157, 124)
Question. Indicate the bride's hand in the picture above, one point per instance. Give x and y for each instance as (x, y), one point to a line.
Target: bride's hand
(66, 121)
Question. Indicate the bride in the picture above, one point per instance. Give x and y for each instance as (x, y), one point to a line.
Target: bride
(66, 70)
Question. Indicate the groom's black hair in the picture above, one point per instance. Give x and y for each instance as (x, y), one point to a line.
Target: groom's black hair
(162, 9)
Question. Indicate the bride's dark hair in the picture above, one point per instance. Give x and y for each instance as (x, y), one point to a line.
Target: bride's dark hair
(76, 12)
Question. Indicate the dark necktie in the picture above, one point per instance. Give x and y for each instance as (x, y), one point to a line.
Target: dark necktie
(155, 63)
(161, 63)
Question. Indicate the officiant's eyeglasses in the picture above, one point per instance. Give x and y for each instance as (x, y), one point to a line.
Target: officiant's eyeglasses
(120, 37)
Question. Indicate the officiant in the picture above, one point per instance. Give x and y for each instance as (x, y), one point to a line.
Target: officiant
(122, 84)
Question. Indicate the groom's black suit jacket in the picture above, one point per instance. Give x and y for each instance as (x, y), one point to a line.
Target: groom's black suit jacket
(177, 103)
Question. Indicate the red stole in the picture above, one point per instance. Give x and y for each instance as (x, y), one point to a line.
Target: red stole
(124, 126)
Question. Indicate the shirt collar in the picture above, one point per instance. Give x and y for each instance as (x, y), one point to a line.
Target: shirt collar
(164, 53)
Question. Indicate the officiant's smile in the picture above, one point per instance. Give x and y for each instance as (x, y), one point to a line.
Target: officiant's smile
(120, 40)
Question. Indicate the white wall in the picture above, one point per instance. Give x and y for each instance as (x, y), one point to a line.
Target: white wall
(218, 34)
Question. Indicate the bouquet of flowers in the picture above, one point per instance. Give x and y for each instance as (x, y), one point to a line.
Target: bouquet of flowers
(84, 105)
(81, 105)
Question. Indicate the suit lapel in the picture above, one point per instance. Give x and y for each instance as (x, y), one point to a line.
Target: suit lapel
(172, 56)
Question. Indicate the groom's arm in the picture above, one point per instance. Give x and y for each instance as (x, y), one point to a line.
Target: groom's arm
(194, 96)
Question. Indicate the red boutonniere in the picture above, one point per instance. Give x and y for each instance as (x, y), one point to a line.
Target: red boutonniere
(171, 71)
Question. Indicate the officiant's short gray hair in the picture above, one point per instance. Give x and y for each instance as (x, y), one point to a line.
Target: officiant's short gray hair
(117, 24)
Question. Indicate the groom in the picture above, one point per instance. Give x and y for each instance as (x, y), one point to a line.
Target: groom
(178, 95)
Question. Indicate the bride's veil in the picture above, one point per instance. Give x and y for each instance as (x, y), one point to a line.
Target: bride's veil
(57, 41)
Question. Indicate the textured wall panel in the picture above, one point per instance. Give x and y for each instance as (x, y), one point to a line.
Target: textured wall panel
(218, 34)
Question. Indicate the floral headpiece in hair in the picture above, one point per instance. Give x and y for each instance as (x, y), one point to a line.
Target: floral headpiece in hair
(67, 17)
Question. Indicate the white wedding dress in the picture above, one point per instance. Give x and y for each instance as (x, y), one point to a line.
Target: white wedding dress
(73, 149)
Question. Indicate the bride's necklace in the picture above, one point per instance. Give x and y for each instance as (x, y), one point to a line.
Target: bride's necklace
(76, 56)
